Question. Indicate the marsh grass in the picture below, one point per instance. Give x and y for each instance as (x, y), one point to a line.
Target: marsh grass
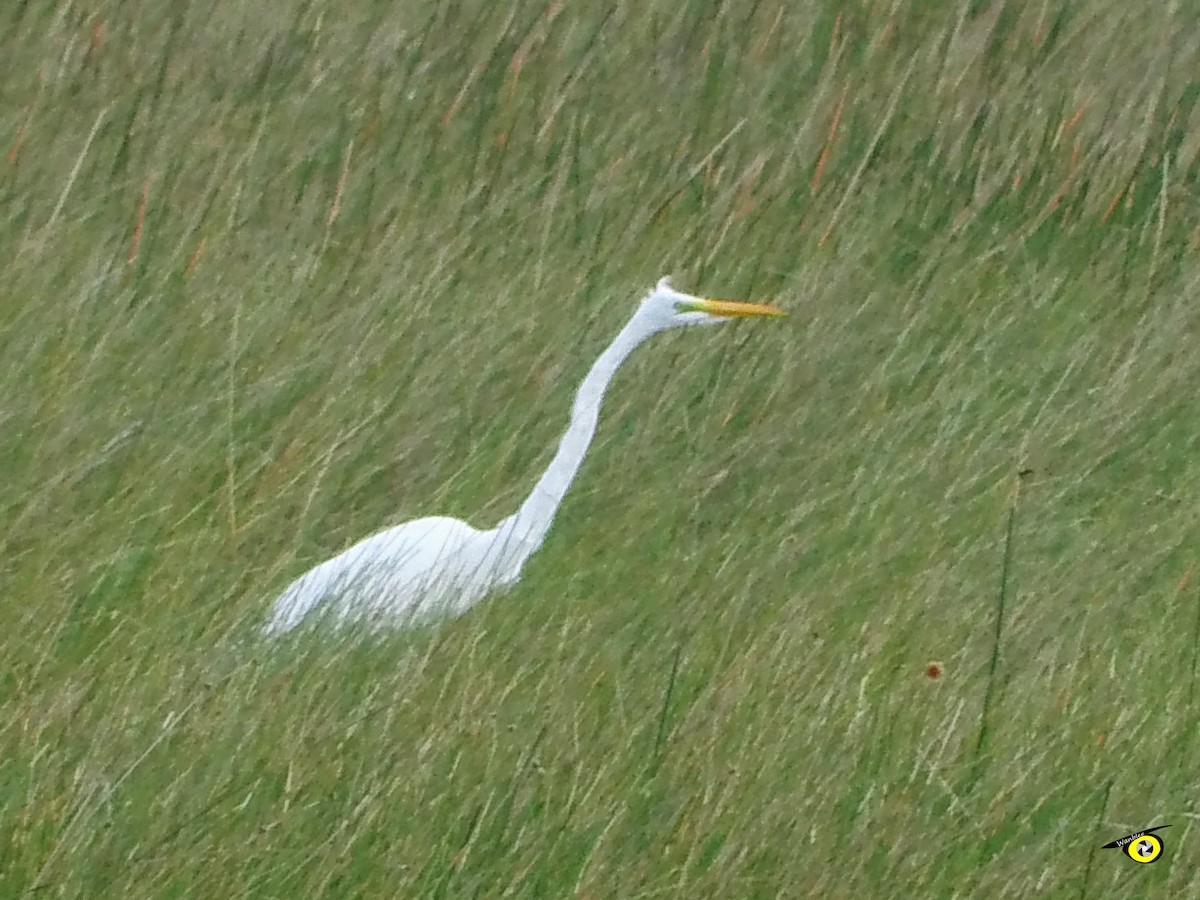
(276, 276)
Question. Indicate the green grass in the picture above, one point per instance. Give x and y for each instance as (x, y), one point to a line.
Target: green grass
(273, 277)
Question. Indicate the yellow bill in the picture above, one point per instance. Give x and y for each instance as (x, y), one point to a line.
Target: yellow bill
(736, 308)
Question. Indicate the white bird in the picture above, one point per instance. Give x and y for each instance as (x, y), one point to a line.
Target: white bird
(441, 566)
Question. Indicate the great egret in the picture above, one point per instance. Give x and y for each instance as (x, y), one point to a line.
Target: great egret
(441, 565)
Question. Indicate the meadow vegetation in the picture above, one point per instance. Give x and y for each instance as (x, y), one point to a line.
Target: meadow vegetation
(274, 276)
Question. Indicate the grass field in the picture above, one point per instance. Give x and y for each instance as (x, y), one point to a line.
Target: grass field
(275, 276)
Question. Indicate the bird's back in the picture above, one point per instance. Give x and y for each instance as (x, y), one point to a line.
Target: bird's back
(423, 567)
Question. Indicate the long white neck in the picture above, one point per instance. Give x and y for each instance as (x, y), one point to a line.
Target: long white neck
(532, 521)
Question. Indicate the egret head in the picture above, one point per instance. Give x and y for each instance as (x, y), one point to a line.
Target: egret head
(665, 307)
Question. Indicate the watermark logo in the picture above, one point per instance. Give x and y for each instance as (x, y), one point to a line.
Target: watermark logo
(1142, 846)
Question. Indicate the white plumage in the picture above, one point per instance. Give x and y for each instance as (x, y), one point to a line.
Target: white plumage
(441, 566)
